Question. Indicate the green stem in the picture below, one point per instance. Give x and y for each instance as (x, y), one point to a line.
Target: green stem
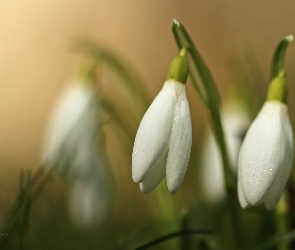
(206, 88)
(233, 206)
(171, 236)
(119, 66)
(118, 118)
(22, 205)
(186, 239)
(282, 225)
(230, 179)
(25, 224)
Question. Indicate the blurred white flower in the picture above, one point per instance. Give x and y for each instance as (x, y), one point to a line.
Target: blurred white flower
(72, 145)
(163, 141)
(75, 118)
(236, 121)
(266, 157)
(91, 198)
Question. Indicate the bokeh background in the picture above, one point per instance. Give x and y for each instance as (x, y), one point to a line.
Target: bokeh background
(36, 62)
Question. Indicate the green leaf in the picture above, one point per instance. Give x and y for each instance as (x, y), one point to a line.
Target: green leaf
(119, 66)
(199, 72)
(172, 236)
(278, 66)
(118, 119)
(206, 88)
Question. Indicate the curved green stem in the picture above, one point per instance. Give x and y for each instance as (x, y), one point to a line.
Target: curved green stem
(120, 67)
(282, 223)
(171, 236)
(206, 88)
(22, 205)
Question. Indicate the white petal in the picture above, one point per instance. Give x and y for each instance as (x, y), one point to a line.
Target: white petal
(180, 145)
(276, 191)
(236, 121)
(154, 132)
(242, 200)
(85, 159)
(263, 151)
(154, 177)
(72, 105)
(92, 194)
(89, 204)
(211, 171)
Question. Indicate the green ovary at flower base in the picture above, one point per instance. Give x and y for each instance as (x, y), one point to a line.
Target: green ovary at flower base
(163, 142)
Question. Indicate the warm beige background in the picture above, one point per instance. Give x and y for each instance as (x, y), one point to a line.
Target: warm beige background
(34, 61)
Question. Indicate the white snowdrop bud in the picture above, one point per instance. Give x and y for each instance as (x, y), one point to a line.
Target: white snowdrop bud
(267, 153)
(163, 140)
(75, 117)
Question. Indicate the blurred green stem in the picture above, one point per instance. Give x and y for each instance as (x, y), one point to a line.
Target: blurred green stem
(21, 209)
(187, 242)
(206, 88)
(171, 236)
(119, 66)
(282, 225)
(24, 223)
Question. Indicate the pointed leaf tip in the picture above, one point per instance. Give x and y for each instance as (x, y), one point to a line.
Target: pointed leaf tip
(289, 38)
(278, 67)
(175, 23)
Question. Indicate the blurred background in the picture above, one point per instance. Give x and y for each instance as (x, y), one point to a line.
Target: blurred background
(235, 38)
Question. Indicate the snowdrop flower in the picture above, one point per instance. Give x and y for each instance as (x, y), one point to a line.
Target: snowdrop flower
(74, 118)
(163, 141)
(236, 121)
(267, 153)
(72, 145)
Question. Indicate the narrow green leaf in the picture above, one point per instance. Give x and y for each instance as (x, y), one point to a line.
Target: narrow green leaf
(199, 72)
(278, 65)
(171, 236)
(118, 118)
(206, 88)
(119, 66)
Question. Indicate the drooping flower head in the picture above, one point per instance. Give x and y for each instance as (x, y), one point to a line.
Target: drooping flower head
(163, 141)
(267, 153)
(71, 145)
(74, 120)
